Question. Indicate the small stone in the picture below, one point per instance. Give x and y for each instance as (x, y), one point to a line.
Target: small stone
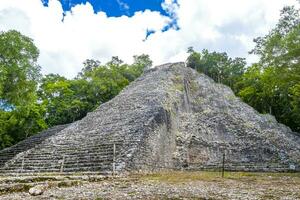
(85, 178)
(37, 190)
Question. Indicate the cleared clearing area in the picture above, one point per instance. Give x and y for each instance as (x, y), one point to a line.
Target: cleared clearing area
(162, 185)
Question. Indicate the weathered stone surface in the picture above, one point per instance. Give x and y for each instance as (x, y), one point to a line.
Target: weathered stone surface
(171, 117)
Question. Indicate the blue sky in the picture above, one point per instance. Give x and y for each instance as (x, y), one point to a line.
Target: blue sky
(164, 29)
(116, 8)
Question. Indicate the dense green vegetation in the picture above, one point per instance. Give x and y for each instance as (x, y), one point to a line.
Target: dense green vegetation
(68, 100)
(273, 84)
(30, 102)
(20, 114)
(218, 66)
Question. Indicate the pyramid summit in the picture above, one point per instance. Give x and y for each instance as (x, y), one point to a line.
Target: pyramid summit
(171, 117)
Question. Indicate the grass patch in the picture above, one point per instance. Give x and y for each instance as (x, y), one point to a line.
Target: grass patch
(194, 86)
(15, 188)
(179, 87)
(199, 100)
(132, 193)
(68, 183)
(180, 176)
(186, 176)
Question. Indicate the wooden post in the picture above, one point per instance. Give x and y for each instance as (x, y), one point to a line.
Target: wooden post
(22, 167)
(223, 165)
(62, 164)
(114, 159)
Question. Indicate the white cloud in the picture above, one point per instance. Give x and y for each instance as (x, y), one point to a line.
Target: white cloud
(217, 25)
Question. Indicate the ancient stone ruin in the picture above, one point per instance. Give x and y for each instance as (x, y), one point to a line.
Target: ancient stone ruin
(170, 118)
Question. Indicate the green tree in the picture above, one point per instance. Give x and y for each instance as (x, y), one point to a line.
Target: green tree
(89, 66)
(27, 121)
(140, 64)
(258, 88)
(20, 114)
(218, 66)
(295, 91)
(6, 123)
(61, 99)
(277, 74)
(194, 60)
(19, 71)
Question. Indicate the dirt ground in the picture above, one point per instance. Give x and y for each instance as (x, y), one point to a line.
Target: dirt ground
(163, 185)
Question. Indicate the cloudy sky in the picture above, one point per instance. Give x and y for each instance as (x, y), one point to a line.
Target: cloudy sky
(69, 31)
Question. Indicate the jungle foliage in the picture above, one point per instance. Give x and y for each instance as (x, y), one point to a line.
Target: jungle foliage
(30, 102)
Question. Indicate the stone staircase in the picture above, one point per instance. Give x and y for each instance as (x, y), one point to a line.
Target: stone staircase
(86, 151)
(66, 159)
(27, 144)
(100, 155)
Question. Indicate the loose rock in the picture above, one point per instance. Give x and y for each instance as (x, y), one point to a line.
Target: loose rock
(37, 190)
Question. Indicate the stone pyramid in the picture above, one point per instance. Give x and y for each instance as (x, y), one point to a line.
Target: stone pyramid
(171, 117)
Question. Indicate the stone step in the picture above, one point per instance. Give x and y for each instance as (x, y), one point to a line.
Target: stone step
(13, 171)
(57, 165)
(41, 163)
(70, 155)
(67, 161)
(50, 161)
(18, 168)
(91, 168)
(72, 168)
(88, 164)
(78, 148)
(107, 160)
(38, 156)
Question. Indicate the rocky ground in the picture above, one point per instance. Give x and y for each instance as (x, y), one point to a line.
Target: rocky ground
(164, 185)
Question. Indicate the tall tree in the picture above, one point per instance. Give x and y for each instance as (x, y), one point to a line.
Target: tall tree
(19, 70)
(20, 114)
(194, 60)
(218, 66)
(278, 71)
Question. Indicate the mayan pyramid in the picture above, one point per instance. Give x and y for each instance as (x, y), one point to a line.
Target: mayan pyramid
(171, 117)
